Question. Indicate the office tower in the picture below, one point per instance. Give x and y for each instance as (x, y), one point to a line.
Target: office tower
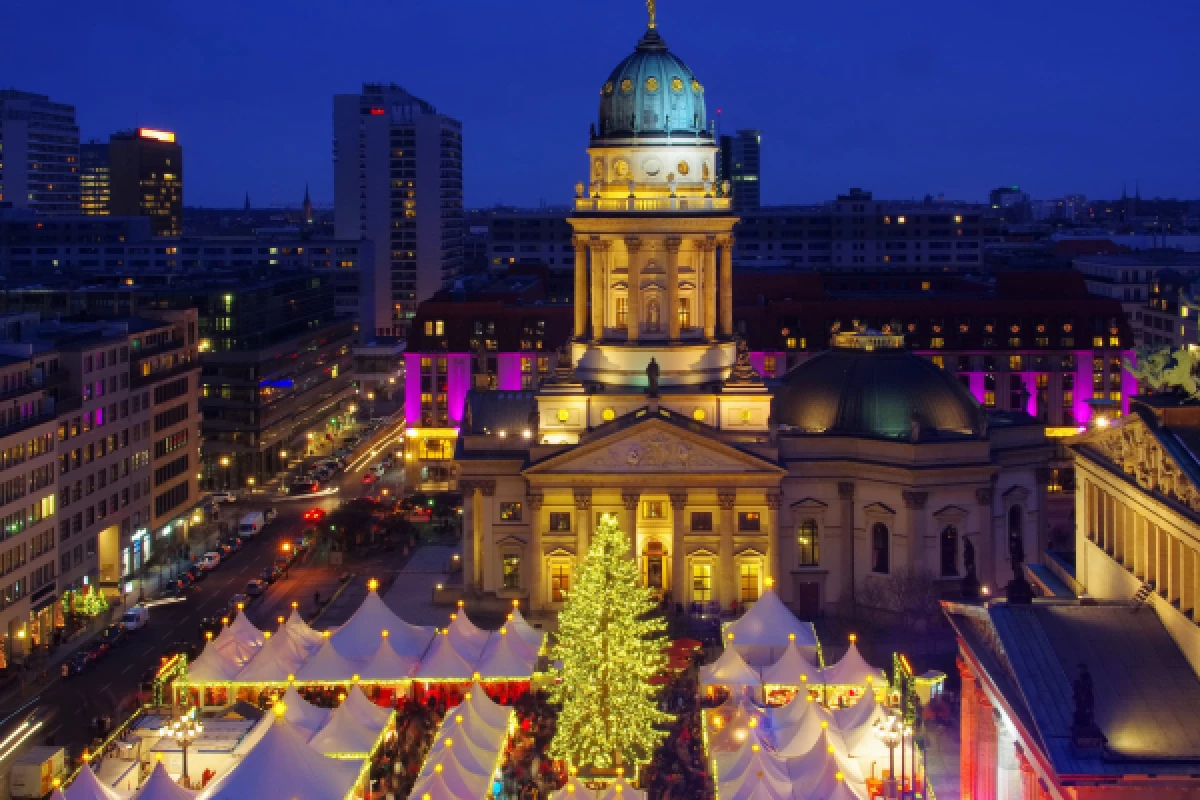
(741, 165)
(39, 153)
(95, 187)
(146, 176)
(398, 181)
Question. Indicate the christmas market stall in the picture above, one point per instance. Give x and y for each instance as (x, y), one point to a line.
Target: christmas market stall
(765, 631)
(789, 676)
(161, 786)
(845, 682)
(468, 749)
(729, 673)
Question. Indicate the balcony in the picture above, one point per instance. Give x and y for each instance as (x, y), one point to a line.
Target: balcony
(653, 204)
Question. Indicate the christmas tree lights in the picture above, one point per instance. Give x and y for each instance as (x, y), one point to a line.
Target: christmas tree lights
(610, 648)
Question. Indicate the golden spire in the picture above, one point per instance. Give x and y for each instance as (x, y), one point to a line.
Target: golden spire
(652, 7)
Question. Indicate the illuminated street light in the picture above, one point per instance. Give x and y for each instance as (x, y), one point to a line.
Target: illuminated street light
(185, 730)
(889, 731)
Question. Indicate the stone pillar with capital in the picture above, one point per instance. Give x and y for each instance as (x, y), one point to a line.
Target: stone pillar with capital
(601, 258)
(774, 539)
(726, 568)
(536, 556)
(727, 286)
(708, 281)
(968, 733)
(678, 551)
(1029, 780)
(581, 286)
(672, 309)
(987, 772)
(583, 523)
(483, 524)
(1008, 770)
(847, 597)
(633, 314)
(631, 498)
(986, 555)
(470, 490)
(918, 548)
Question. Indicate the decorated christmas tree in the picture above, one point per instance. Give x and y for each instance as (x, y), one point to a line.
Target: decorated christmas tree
(610, 648)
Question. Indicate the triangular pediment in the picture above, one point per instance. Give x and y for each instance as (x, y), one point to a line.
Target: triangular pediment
(654, 445)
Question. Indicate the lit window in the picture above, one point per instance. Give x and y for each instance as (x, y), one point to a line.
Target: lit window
(510, 512)
(1097, 341)
(685, 313)
(560, 582)
(653, 509)
(749, 583)
(702, 521)
(769, 366)
(622, 311)
(560, 521)
(701, 582)
(512, 572)
(807, 554)
(563, 415)
(749, 521)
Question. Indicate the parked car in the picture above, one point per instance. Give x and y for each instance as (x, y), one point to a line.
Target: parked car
(98, 649)
(379, 469)
(271, 574)
(235, 544)
(175, 588)
(270, 514)
(76, 664)
(210, 560)
(135, 618)
(314, 515)
(225, 550)
(304, 487)
(197, 573)
(255, 588)
(186, 580)
(223, 497)
(368, 478)
(387, 462)
(113, 635)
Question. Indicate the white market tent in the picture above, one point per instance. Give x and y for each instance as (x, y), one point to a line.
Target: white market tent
(444, 662)
(529, 634)
(853, 670)
(620, 789)
(345, 736)
(505, 657)
(161, 786)
(857, 723)
(792, 669)
(359, 637)
(387, 665)
(798, 738)
(790, 714)
(753, 755)
(309, 640)
(733, 722)
(281, 656)
(466, 749)
(303, 715)
(87, 786)
(468, 638)
(842, 790)
(358, 705)
(471, 757)
(493, 714)
(815, 772)
(239, 640)
(212, 666)
(766, 629)
(444, 783)
(282, 766)
(328, 665)
(729, 670)
(573, 789)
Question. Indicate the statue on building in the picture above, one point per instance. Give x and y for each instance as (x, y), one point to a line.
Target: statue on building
(652, 371)
(1019, 591)
(1085, 733)
(970, 581)
(743, 371)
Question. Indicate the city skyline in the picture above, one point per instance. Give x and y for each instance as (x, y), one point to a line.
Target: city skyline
(936, 100)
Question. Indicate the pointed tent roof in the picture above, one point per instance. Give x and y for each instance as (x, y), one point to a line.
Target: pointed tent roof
(858, 720)
(468, 638)
(443, 662)
(620, 789)
(161, 786)
(386, 664)
(345, 736)
(729, 670)
(573, 789)
(303, 715)
(751, 759)
(852, 670)
(505, 656)
(411, 640)
(799, 738)
(468, 755)
(57, 794)
(465, 723)
(282, 655)
(529, 634)
(358, 705)
(87, 786)
(445, 783)
(302, 633)
(740, 721)
(239, 640)
(758, 790)
(787, 671)
(788, 715)
(359, 637)
(282, 766)
(845, 790)
(328, 665)
(492, 713)
(815, 772)
(765, 629)
(212, 666)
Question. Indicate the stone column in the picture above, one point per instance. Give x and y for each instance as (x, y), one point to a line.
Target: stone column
(985, 554)
(987, 771)
(678, 553)
(470, 490)
(708, 282)
(536, 556)
(581, 286)
(727, 286)
(483, 524)
(774, 542)
(1029, 781)
(672, 310)
(583, 520)
(631, 498)
(847, 567)
(633, 321)
(918, 547)
(1008, 777)
(725, 565)
(968, 731)
(601, 256)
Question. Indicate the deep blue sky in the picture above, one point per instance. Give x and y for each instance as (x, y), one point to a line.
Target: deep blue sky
(902, 98)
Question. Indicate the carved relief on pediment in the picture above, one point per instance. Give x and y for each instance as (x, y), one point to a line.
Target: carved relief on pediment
(654, 451)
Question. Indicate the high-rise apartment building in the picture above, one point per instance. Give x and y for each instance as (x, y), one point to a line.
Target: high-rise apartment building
(146, 174)
(398, 182)
(95, 185)
(39, 153)
(741, 165)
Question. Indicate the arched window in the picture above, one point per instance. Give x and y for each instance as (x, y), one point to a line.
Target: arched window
(653, 314)
(1016, 535)
(949, 551)
(807, 553)
(880, 548)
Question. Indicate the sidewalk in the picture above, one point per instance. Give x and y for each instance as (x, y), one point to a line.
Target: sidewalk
(941, 762)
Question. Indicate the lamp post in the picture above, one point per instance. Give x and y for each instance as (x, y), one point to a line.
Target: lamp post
(225, 471)
(371, 408)
(185, 729)
(889, 731)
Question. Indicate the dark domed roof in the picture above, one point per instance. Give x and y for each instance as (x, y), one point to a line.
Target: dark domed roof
(652, 93)
(876, 393)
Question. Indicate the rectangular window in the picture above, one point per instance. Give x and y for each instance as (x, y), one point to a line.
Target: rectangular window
(560, 582)
(560, 520)
(807, 554)
(653, 509)
(702, 521)
(512, 572)
(701, 582)
(685, 313)
(769, 366)
(749, 521)
(749, 583)
(622, 311)
(510, 512)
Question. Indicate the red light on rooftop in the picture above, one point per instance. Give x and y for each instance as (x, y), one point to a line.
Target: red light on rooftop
(376, 112)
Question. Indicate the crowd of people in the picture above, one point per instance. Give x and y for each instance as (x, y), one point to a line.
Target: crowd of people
(677, 770)
(527, 774)
(395, 767)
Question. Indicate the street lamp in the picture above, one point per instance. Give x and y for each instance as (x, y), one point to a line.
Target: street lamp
(889, 730)
(225, 468)
(185, 730)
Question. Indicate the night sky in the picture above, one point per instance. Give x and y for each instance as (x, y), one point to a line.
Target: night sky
(902, 98)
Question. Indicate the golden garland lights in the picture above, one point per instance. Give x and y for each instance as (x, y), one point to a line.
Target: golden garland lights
(610, 649)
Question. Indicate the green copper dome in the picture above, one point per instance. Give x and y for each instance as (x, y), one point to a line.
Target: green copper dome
(886, 393)
(652, 94)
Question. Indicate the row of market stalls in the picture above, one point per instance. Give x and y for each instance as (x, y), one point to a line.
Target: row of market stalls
(772, 654)
(464, 760)
(619, 789)
(375, 647)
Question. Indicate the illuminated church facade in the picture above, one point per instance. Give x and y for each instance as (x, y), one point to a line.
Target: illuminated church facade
(862, 470)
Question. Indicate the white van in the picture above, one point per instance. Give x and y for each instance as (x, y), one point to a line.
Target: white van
(135, 618)
(251, 524)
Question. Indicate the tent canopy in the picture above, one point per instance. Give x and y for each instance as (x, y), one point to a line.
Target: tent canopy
(303, 715)
(762, 633)
(443, 661)
(239, 640)
(853, 670)
(359, 637)
(87, 786)
(468, 638)
(492, 713)
(791, 669)
(529, 634)
(161, 786)
(309, 640)
(358, 705)
(388, 665)
(344, 736)
(798, 738)
(506, 656)
(729, 670)
(212, 666)
(814, 773)
(282, 655)
(328, 665)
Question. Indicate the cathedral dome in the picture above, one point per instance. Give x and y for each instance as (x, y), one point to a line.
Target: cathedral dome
(652, 94)
(877, 392)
